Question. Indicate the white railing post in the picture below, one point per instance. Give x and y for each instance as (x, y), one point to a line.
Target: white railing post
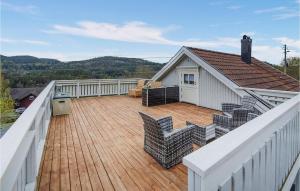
(99, 88)
(78, 89)
(119, 87)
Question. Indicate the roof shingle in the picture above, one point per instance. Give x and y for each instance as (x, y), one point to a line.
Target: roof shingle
(255, 75)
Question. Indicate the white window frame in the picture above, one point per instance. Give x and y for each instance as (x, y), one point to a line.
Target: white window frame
(189, 81)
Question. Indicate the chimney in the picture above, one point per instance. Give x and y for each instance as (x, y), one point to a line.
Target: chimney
(246, 44)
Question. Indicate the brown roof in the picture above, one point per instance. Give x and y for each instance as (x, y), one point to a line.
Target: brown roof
(21, 93)
(255, 75)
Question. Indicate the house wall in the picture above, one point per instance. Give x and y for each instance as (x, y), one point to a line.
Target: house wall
(212, 92)
(25, 102)
(171, 79)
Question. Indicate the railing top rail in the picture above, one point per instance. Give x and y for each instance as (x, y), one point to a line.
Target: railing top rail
(105, 79)
(270, 91)
(12, 139)
(249, 136)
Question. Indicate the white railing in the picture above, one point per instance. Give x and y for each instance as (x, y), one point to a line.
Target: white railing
(22, 145)
(21, 148)
(274, 96)
(263, 154)
(95, 87)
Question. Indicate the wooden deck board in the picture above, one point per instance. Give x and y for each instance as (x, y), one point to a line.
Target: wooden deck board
(99, 146)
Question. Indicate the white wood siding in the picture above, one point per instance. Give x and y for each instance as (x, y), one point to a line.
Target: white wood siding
(212, 92)
(171, 79)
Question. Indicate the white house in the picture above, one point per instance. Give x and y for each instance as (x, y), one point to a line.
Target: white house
(208, 78)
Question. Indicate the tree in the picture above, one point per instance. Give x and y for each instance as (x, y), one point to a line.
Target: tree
(6, 103)
(293, 68)
(292, 61)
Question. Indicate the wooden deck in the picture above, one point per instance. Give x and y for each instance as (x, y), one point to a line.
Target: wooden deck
(100, 147)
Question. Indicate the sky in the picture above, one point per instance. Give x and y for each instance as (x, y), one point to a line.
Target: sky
(153, 30)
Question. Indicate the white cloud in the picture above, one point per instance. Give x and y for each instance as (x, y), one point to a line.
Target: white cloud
(217, 3)
(217, 43)
(225, 24)
(279, 13)
(17, 41)
(271, 54)
(270, 10)
(129, 32)
(249, 33)
(29, 9)
(137, 32)
(36, 42)
(234, 7)
(289, 42)
(286, 15)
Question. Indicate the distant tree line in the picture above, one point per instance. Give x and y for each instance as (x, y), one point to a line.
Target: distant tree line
(28, 71)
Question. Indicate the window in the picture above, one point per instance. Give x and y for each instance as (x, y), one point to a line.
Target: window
(186, 78)
(189, 79)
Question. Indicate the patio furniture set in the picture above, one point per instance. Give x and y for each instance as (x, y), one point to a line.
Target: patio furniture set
(168, 145)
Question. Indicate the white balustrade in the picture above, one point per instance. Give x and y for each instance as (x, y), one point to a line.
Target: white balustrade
(263, 154)
(95, 87)
(273, 96)
(22, 145)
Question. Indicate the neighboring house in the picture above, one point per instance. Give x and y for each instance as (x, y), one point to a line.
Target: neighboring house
(208, 78)
(23, 97)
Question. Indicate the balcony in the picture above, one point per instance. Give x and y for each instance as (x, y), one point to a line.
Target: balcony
(99, 146)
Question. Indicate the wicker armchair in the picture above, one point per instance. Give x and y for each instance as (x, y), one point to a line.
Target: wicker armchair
(166, 145)
(248, 102)
(238, 118)
(137, 92)
(251, 116)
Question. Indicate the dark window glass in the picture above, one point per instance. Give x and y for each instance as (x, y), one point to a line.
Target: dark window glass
(186, 78)
(191, 79)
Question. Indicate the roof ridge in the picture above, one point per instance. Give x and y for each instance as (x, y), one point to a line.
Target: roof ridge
(215, 51)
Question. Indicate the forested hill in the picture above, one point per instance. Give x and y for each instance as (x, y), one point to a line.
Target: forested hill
(29, 71)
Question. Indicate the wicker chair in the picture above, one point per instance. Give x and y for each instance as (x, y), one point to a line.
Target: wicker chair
(238, 118)
(251, 116)
(248, 103)
(137, 92)
(166, 145)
